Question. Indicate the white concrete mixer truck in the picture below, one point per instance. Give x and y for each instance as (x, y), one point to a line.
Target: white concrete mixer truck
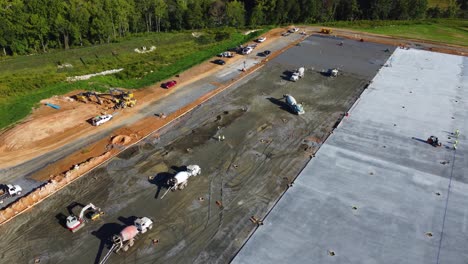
(180, 180)
(295, 107)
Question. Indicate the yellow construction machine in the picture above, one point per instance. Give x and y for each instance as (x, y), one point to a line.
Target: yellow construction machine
(326, 31)
(86, 97)
(119, 98)
(122, 98)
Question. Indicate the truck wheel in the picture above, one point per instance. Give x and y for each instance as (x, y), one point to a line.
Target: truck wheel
(149, 227)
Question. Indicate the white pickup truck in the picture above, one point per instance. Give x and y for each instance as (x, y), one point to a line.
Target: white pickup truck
(101, 119)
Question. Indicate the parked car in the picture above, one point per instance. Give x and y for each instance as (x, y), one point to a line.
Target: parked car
(226, 54)
(169, 84)
(293, 30)
(219, 62)
(247, 50)
(261, 39)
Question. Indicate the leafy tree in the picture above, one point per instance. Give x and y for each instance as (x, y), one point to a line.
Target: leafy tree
(160, 11)
(452, 9)
(235, 14)
(309, 11)
(10, 20)
(293, 12)
(401, 10)
(258, 16)
(380, 9)
(347, 10)
(79, 18)
(418, 9)
(194, 18)
(176, 11)
(217, 12)
(37, 26)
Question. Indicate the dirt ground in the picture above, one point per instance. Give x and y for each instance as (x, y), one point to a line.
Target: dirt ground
(266, 146)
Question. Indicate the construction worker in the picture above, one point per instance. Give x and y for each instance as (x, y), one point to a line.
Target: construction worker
(457, 132)
(455, 146)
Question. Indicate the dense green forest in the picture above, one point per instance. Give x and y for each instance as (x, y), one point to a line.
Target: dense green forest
(33, 26)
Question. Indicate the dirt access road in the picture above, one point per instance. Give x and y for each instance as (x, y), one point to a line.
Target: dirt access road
(265, 148)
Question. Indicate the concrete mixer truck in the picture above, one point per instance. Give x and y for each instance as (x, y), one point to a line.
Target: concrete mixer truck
(126, 238)
(295, 107)
(297, 74)
(180, 180)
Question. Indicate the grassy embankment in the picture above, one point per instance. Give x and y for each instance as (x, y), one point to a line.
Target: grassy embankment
(25, 80)
(450, 31)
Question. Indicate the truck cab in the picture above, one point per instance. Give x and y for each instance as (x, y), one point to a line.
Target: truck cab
(14, 190)
(99, 120)
(143, 224)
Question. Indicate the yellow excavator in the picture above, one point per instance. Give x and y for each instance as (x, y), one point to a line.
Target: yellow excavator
(86, 97)
(122, 98)
(326, 31)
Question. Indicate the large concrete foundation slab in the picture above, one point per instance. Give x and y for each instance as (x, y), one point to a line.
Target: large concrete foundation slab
(376, 192)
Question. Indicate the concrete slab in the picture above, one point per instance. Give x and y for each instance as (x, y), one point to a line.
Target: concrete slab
(376, 192)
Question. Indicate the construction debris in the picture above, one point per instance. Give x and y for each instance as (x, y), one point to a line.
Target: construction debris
(256, 221)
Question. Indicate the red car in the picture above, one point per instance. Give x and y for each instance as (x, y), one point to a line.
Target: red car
(169, 84)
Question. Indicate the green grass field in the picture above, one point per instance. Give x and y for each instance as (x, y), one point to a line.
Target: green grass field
(25, 80)
(442, 30)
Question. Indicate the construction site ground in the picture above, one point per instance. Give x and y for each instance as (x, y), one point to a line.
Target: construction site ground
(265, 148)
(51, 141)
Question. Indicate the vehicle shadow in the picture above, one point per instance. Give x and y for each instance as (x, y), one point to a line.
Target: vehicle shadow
(90, 121)
(286, 75)
(62, 219)
(160, 180)
(282, 105)
(325, 73)
(104, 234)
(419, 139)
(127, 221)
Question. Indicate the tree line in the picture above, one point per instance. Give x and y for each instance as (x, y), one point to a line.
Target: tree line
(38, 25)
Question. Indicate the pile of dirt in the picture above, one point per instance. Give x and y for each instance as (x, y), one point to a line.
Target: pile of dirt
(121, 140)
